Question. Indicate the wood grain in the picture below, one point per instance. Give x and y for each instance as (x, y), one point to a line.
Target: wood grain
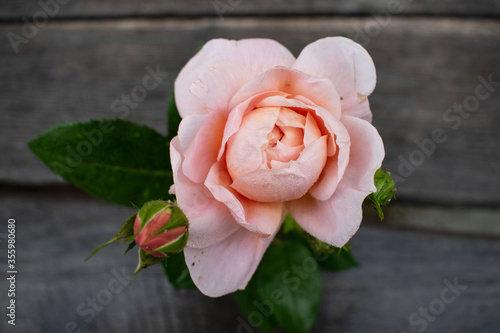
(74, 71)
(401, 271)
(12, 9)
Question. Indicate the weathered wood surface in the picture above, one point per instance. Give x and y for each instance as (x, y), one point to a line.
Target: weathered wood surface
(401, 271)
(73, 71)
(12, 9)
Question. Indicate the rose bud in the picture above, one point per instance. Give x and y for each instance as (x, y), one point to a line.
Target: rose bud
(161, 229)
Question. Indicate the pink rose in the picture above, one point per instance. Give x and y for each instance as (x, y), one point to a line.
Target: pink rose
(264, 134)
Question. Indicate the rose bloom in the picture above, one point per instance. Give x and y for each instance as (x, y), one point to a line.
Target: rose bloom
(264, 134)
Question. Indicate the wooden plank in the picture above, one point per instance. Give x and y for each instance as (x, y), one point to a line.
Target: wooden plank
(440, 219)
(74, 72)
(225, 8)
(401, 271)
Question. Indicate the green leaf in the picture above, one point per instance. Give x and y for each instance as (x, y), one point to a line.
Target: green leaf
(115, 160)
(385, 191)
(173, 118)
(177, 272)
(251, 305)
(340, 260)
(126, 233)
(288, 287)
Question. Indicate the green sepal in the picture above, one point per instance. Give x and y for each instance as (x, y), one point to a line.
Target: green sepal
(130, 246)
(146, 260)
(318, 246)
(178, 219)
(177, 272)
(151, 208)
(175, 246)
(385, 191)
(125, 234)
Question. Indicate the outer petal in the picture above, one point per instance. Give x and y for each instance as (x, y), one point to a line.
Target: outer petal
(361, 111)
(188, 128)
(216, 85)
(202, 148)
(209, 220)
(345, 63)
(255, 56)
(263, 218)
(226, 266)
(367, 154)
(335, 220)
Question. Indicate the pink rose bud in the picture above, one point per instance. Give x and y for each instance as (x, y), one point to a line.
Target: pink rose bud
(161, 229)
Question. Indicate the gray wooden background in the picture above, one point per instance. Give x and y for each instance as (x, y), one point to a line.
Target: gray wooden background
(445, 225)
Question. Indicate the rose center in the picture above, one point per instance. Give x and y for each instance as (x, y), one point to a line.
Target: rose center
(275, 136)
(268, 138)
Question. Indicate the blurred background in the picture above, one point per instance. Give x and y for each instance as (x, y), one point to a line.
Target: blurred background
(436, 106)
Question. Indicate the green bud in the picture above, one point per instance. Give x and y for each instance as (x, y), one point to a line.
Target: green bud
(161, 228)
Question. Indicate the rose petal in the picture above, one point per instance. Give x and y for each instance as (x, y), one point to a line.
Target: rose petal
(188, 128)
(204, 146)
(283, 153)
(226, 266)
(244, 149)
(252, 55)
(279, 165)
(335, 220)
(345, 63)
(290, 118)
(360, 111)
(278, 185)
(321, 91)
(311, 130)
(216, 85)
(261, 217)
(285, 100)
(235, 118)
(292, 136)
(301, 103)
(209, 220)
(336, 163)
(367, 153)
